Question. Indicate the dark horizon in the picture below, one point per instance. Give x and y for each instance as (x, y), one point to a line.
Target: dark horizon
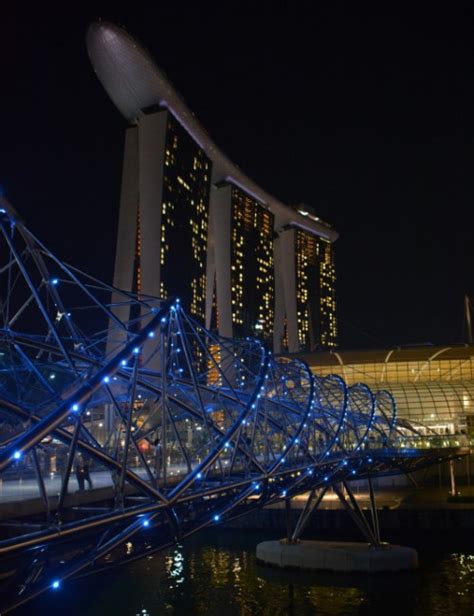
(365, 117)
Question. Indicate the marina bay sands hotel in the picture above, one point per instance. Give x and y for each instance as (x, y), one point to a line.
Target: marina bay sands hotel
(193, 225)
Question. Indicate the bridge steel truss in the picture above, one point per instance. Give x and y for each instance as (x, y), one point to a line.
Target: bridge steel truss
(239, 428)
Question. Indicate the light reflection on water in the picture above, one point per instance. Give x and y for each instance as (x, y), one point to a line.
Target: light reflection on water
(448, 586)
(218, 575)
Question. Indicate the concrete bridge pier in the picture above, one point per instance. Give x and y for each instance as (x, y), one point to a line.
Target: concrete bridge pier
(371, 556)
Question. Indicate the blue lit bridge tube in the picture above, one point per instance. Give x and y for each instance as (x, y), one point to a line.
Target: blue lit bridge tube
(182, 428)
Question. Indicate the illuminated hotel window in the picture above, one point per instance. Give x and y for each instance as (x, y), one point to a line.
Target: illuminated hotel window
(315, 291)
(252, 279)
(184, 222)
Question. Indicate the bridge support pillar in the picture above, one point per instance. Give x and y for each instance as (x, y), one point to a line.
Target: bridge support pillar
(351, 505)
(373, 556)
(312, 503)
(339, 556)
(373, 511)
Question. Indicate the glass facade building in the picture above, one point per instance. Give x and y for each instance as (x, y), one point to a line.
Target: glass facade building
(252, 270)
(433, 386)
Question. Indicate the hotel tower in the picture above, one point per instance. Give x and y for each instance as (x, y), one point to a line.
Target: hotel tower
(193, 225)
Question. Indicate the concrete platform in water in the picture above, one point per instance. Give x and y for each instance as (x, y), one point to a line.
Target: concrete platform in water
(337, 556)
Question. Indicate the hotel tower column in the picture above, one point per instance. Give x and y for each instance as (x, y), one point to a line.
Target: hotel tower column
(285, 292)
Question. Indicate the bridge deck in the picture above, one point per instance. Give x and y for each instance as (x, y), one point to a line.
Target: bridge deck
(20, 498)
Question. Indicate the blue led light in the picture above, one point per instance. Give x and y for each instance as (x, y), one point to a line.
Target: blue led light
(217, 517)
(199, 475)
(17, 455)
(151, 334)
(75, 407)
(136, 350)
(106, 379)
(124, 362)
(146, 523)
(54, 281)
(56, 584)
(326, 478)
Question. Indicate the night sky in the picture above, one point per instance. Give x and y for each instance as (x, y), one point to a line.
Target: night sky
(366, 116)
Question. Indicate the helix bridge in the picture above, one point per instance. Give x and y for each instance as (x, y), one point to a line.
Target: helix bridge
(238, 427)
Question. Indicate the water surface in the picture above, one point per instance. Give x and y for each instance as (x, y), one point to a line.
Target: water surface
(217, 574)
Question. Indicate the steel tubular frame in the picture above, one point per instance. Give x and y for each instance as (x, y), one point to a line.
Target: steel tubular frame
(238, 427)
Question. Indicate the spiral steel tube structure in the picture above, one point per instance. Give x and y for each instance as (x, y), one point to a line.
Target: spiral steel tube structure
(238, 428)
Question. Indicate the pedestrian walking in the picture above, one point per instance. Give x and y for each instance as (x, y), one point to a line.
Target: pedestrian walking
(79, 470)
(87, 476)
